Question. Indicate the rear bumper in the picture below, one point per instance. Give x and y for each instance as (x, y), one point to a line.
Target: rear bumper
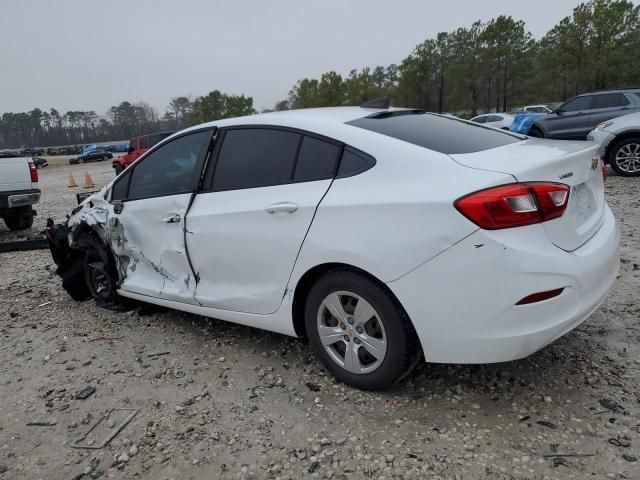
(19, 198)
(463, 302)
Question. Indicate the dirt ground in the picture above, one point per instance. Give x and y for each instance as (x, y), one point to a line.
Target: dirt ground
(218, 401)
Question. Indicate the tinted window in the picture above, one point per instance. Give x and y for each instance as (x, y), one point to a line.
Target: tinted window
(354, 162)
(133, 144)
(255, 157)
(577, 104)
(157, 137)
(144, 142)
(316, 161)
(609, 100)
(169, 169)
(442, 134)
(495, 118)
(119, 189)
(480, 119)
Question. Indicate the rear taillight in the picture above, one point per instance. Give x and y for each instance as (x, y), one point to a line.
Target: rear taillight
(33, 171)
(515, 205)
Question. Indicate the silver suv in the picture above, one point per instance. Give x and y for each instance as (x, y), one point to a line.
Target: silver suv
(574, 119)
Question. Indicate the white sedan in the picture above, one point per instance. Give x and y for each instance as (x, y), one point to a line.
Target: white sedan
(382, 235)
(495, 120)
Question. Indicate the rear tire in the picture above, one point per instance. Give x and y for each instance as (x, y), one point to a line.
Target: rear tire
(624, 157)
(19, 218)
(381, 348)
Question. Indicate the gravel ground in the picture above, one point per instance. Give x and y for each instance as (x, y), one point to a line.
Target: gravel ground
(217, 400)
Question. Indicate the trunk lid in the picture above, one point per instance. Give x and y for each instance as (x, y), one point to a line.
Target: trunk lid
(573, 163)
(14, 174)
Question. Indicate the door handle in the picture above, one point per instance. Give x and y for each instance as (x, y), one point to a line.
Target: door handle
(282, 207)
(175, 218)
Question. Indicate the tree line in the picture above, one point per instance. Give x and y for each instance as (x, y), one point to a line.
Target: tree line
(488, 66)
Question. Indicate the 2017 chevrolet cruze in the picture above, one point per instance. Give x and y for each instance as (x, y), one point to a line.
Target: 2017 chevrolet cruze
(380, 234)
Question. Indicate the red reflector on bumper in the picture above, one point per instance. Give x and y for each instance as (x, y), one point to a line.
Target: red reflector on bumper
(540, 296)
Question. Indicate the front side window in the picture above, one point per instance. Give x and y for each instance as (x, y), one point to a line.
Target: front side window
(609, 100)
(170, 169)
(133, 145)
(255, 157)
(577, 104)
(317, 160)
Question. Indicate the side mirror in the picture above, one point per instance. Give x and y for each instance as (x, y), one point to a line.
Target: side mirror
(558, 111)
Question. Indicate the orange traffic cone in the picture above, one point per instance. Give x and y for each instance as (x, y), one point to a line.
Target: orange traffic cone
(72, 182)
(88, 181)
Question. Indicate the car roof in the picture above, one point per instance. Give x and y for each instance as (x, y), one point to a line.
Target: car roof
(613, 90)
(304, 118)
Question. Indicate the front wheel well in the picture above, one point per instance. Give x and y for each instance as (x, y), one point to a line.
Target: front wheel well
(311, 276)
(618, 139)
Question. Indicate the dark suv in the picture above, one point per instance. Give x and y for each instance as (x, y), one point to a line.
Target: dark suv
(575, 118)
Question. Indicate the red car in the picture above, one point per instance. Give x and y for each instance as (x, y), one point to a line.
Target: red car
(137, 146)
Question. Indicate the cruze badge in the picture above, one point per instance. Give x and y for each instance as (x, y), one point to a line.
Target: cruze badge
(566, 175)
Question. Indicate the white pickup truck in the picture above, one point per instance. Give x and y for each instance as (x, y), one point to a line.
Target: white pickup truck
(18, 191)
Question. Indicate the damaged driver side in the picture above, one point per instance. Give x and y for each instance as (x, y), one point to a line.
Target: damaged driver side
(132, 235)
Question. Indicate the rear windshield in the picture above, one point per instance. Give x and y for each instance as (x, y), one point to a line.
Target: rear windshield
(435, 132)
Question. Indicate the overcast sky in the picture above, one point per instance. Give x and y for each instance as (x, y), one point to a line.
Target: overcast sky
(91, 54)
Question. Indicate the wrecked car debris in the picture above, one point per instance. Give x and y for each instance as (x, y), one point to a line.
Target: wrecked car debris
(46, 423)
(115, 431)
(32, 242)
(611, 405)
(85, 393)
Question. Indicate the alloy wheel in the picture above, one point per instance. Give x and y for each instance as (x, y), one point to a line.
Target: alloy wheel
(628, 158)
(352, 332)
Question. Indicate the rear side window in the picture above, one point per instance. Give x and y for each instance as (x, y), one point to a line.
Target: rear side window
(317, 160)
(441, 134)
(354, 162)
(255, 157)
(609, 100)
